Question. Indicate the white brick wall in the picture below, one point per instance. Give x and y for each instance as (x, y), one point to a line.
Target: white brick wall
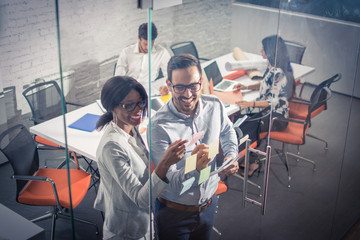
(93, 31)
(28, 46)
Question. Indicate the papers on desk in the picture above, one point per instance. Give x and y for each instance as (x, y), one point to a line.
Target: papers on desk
(246, 65)
(230, 97)
(86, 123)
(239, 55)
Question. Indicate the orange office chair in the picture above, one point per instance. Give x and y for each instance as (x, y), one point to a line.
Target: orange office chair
(299, 108)
(221, 188)
(42, 186)
(294, 134)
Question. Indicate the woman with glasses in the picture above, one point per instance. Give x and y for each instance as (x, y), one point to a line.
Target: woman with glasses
(123, 161)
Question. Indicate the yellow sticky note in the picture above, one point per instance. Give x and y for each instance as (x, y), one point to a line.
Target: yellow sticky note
(204, 174)
(190, 163)
(213, 148)
(166, 98)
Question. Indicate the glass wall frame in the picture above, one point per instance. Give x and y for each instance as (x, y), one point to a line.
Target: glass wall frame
(93, 34)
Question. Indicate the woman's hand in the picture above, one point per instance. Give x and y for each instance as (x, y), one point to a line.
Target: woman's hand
(163, 90)
(239, 86)
(174, 153)
(202, 158)
(245, 104)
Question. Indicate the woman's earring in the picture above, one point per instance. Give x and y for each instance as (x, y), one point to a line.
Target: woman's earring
(114, 118)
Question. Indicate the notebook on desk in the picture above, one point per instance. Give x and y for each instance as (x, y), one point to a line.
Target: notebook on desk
(86, 123)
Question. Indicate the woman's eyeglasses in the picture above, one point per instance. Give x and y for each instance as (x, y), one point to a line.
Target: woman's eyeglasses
(180, 88)
(131, 106)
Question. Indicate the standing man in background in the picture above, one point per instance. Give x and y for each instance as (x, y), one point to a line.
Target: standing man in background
(134, 59)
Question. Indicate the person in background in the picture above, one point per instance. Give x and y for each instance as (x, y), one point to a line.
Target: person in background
(276, 87)
(134, 59)
(189, 214)
(123, 161)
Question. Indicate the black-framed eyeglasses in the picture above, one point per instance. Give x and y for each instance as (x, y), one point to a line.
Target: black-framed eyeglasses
(131, 106)
(180, 88)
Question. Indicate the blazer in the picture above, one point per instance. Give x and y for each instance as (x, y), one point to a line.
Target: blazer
(124, 185)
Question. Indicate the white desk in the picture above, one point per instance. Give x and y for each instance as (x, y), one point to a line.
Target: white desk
(81, 142)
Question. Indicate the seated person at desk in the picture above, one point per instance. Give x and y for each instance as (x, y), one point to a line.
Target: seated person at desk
(276, 88)
(134, 59)
(123, 161)
(189, 214)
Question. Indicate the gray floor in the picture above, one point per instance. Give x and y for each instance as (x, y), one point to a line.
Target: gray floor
(321, 204)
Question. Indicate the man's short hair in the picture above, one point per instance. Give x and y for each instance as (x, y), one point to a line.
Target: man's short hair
(143, 31)
(182, 61)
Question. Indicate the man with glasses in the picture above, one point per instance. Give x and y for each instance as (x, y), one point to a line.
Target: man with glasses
(188, 212)
(134, 59)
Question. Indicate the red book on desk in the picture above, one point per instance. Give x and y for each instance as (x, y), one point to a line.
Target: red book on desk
(235, 75)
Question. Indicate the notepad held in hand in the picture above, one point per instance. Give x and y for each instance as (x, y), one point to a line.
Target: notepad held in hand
(86, 122)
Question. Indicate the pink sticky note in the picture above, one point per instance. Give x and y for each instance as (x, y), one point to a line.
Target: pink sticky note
(196, 137)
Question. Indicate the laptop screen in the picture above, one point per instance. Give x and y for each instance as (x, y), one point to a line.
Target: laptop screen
(212, 71)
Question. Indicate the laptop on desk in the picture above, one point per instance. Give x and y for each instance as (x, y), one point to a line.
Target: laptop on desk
(220, 84)
(212, 72)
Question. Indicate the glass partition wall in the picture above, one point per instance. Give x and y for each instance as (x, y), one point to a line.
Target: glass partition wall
(302, 203)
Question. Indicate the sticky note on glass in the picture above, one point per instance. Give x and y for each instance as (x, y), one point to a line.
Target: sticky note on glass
(187, 184)
(190, 163)
(213, 148)
(196, 137)
(204, 174)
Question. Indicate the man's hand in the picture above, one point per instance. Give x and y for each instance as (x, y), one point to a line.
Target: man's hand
(233, 168)
(202, 159)
(163, 90)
